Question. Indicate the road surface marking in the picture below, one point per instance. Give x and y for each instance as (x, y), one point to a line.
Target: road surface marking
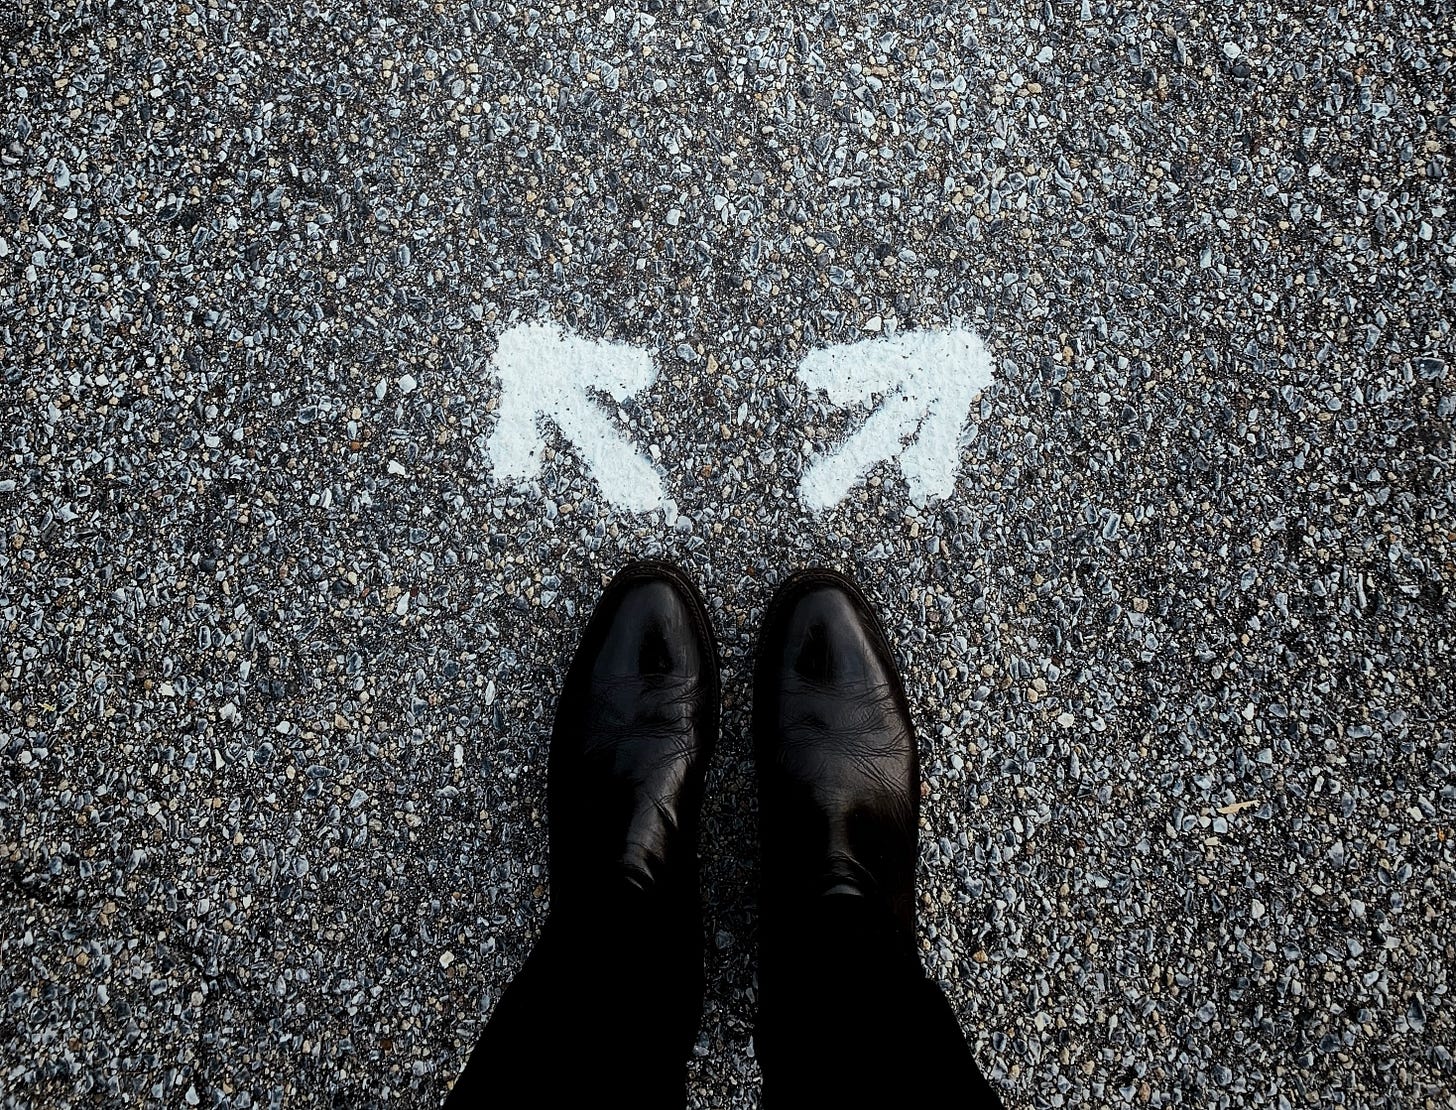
(928, 380)
(546, 374)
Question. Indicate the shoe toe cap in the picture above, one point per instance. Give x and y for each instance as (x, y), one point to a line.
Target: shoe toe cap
(652, 630)
(826, 639)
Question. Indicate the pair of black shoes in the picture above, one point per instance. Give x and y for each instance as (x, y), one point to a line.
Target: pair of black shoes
(638, 721)
(605, 1009)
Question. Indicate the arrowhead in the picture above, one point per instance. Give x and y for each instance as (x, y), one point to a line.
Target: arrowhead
(850, 372)
(545, 372)
(929, 379)
(548, 360)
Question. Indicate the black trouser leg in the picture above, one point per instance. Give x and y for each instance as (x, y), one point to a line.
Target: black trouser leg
(848, 1019)
(603, 1013)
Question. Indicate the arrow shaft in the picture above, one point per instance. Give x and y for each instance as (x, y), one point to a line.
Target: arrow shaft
(832, 476)
(625, 476)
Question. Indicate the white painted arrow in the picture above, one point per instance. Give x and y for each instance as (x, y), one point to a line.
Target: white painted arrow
(928, 380)
(546, 374)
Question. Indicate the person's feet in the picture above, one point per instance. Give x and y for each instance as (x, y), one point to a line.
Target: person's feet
(846, 1016)
(838, 773)
(635, 727)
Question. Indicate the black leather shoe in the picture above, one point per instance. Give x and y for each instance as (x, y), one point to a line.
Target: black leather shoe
(839, 778)
(605, 1010)
(635, 727)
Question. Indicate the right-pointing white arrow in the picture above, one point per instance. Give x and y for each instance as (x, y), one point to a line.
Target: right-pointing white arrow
(546, 373)
(928, 380)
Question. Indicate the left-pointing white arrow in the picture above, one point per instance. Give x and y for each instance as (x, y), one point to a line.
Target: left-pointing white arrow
(546, 373)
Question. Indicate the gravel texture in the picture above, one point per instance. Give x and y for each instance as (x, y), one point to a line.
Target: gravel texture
(278, 657)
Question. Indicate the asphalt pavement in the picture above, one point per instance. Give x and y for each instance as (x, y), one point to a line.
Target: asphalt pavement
(279, 646)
